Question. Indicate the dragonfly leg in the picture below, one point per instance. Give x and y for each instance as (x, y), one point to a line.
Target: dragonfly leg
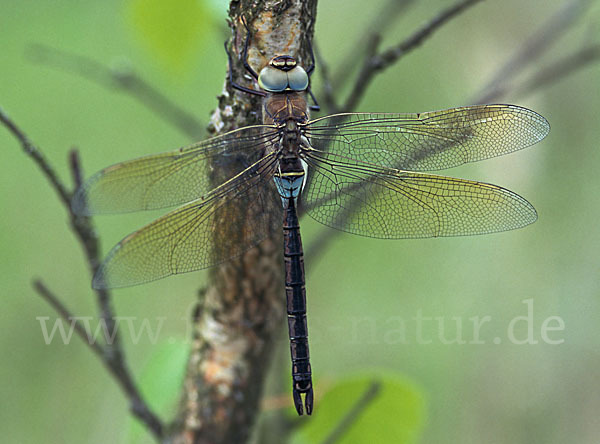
(237, 85)
(316, 106)
(245, 51)
(310, 71)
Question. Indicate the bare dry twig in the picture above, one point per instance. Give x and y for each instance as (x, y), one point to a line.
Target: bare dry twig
(388, 14)
(64, 313)
(543, 77)
(376, 62)
(560, 69)
(326, 95)
(538, 43)
(115, 366)
(546, 76)
(124, 79)
(37, 156)
(110, 353)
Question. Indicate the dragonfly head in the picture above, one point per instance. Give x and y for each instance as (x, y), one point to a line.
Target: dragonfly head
(283, 74)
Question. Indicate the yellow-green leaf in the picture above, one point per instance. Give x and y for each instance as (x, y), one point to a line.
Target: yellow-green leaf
(395, 412)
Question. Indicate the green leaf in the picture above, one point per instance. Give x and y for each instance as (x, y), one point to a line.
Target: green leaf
(395, 412)
(171, 30)
(160, 383)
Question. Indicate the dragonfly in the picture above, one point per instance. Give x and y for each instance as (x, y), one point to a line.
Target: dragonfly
(362, 173)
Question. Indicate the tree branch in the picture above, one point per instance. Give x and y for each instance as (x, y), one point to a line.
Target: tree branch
(124, 79)
(389, 13)
(532, 49)
(66, 315)
(236, 332)
(542, 78)
(115, 366)
(540, 41)
(37, 156)
(546, 76)
(560, 69)
(376, 62)
(326, 96)
(109, 353)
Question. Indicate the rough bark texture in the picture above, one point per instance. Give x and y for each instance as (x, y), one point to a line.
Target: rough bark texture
(244, 304)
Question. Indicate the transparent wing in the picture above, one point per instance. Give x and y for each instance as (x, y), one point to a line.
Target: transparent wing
(194, 236)
(429, 141)
(171, 178)
(374, 201)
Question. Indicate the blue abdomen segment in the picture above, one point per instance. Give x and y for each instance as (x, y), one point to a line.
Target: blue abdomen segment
(289, 186)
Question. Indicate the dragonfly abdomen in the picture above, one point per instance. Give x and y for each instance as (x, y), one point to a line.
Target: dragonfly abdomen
(296, 308)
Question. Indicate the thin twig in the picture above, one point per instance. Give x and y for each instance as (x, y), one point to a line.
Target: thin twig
(122, 78)
(64, 313)
(75, 165)
(84, 230)
(379, 62)
(546, 76)
(32, 151)
(532, 49)
(559, 70)
(326, 96)
(542, 78)
(354, 413)
(110, 353)
(387, 15)
(115, 366)
(325, 236)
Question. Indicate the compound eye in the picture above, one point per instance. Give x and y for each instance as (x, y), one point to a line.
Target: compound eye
(273, 79)
(297, 78)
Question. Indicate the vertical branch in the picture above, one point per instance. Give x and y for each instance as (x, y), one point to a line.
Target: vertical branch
(243, 308)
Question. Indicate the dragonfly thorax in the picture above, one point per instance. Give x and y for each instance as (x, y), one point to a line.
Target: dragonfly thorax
(290, 176)
(279, 108)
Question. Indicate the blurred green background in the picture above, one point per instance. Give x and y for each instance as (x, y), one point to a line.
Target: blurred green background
(361, 291)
